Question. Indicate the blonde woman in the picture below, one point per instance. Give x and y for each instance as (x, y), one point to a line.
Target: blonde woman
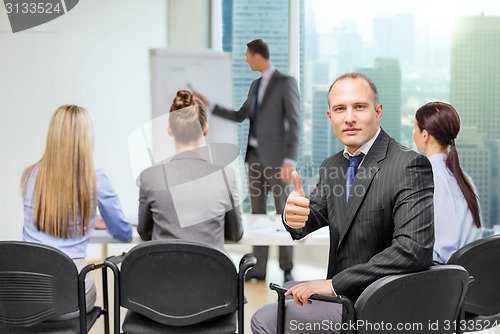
(58, 192)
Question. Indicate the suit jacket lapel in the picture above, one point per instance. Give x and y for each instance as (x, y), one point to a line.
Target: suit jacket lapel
(339, 182)
(363, 180)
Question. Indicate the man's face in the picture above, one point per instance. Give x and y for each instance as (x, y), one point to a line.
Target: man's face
(353, 115)
(251, 61)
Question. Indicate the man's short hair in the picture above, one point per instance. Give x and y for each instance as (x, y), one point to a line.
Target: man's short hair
(357, 76)
(260, 47)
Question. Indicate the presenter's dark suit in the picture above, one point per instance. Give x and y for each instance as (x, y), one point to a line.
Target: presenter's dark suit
(277, 130)
(385, 228)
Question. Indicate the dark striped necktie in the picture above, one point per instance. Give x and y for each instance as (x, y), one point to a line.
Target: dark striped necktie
(255, 110)
(354, 162)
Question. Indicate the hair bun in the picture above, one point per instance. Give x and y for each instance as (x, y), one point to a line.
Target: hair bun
(183, 99)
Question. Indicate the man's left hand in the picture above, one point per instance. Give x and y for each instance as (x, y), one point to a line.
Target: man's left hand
(286, 172)
(302, 292)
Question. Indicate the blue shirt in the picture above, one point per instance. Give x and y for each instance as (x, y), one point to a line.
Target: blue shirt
(109, 207)
(453, 223)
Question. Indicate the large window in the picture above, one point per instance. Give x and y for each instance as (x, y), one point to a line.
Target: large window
(415, 52)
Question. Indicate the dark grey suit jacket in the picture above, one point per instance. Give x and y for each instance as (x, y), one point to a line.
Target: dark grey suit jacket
(387, 225)
(278, 121)
(189, 198)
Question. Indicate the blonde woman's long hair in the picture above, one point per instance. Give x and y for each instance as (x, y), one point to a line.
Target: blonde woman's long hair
(65, 184)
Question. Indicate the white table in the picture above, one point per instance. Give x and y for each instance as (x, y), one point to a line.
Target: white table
(258, 230)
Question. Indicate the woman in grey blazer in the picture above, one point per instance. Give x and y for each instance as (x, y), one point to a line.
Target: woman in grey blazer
(186, 196)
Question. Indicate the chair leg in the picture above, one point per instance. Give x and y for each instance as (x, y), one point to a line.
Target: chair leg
(82, 298)
(281, 314)
(116, 316)
(105, 299)
(241, 310)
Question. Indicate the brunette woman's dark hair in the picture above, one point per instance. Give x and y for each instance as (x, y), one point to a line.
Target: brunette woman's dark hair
(188, 117)
(442, 122)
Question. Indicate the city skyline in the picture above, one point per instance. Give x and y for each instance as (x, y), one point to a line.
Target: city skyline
(474, 88)
(406, 79)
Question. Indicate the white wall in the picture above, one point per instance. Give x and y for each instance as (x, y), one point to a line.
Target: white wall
(189, 24)
(95, 56)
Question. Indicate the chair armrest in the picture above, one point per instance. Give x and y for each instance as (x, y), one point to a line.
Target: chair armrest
(88, 268)
(461, 316)
(472, 280)
(112, 262)
(81, 281)
(347, 306)
(82, 298)
(247, 262)
(330, 299)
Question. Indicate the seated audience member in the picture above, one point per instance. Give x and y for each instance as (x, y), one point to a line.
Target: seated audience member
(456, 206)
(187, 197)
(375, 196)
(58, 192)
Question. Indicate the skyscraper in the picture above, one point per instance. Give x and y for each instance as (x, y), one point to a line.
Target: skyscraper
(394, 37)
(475, 87)
(227, 25)
(386, 75)
(349, 47)
(475, 73)
(324, 142)
(476, 159)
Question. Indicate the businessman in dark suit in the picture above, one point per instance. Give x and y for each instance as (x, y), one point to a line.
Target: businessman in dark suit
(376, 199)
(272, 106)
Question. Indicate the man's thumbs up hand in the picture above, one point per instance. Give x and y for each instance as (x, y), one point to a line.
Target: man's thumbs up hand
(297, 205)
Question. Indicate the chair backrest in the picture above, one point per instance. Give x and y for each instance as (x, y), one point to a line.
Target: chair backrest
(481, 258)
(37, 283)
(178, 283)
(413, 303)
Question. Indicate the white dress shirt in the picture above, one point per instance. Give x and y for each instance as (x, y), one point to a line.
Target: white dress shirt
(362, 149)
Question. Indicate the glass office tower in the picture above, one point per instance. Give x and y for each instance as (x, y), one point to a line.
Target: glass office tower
(475, 88)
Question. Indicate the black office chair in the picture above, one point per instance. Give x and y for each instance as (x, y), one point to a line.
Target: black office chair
(481, 258)
(174, 286)
(42, 292)
(424, 302)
